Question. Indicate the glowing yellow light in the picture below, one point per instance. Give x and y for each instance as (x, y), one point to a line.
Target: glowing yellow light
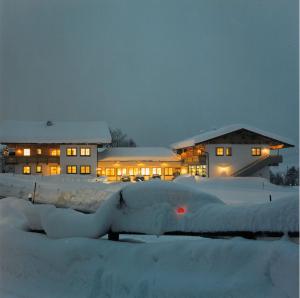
(224, 170)
(164, 164)
(184, 171)
(265, 151)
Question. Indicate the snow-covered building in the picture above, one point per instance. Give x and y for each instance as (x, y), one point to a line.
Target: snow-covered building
(139, 161)
(51, 148)
(234, 150)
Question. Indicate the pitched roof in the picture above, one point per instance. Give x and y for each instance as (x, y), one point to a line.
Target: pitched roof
(68, 132)
(138, 154)
(214, 133)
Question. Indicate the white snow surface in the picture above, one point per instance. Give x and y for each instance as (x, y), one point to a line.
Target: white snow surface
(62, 190)
(239, 190)
(151, 208)
(65, 132)
(33, 266)
(138, 153)
(214, 133)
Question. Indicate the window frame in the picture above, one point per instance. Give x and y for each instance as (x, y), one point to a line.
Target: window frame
(26, 150)
(39, 151)
(230, 151)
(71, 173)
(256, 150)
(24, 173)
(85, 148)
(71, 148)
(36, 169)
(85, 167)
(216, 151)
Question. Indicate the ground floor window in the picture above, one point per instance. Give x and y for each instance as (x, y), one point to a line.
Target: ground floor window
(54, 170)
(109, 172)
(200, 170)
(26, 170)
(38, 169)
(145, 171)
(86, 169)
(156, 171)
(168, 171)
(121, 171)
(133, 171)
(72, 169)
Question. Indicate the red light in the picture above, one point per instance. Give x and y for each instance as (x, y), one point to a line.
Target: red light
(180, 210)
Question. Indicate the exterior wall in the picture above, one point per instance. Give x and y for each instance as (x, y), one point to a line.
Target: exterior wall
(227, 165)
(78, 160)
(45, 168)
(102, 165)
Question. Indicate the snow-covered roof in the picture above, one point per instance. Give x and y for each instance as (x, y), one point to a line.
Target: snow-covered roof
(93, 132)
(214, 133)
(138, 154)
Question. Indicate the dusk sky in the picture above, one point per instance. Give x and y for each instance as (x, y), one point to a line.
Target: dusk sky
(160, 70)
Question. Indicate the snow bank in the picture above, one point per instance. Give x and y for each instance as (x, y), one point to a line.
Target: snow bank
(151, 208)
(62, 190)
(34, 266)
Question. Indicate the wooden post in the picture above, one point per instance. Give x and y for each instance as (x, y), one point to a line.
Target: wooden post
(33, 197)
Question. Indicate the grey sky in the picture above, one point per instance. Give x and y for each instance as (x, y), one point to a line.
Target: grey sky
(160, 70)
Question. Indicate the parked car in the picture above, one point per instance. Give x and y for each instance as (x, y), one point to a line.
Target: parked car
(139, 178)
(125, 178)
(156, 176)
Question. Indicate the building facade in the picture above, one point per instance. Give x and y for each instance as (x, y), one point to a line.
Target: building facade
(52, 148)
(235, 150)
(83, 148)
(147, 162)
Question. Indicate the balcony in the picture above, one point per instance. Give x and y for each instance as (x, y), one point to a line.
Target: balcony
(31, 159)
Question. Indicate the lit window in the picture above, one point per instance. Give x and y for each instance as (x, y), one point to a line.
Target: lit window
(121, 172)
(130, 171)
(26, 152)
(168, 171)
(26, 170)
(156, 171)
(219, 151)
(228, 151)
(85, 169)
(145, 171)
(55, 152)
(256, 151)
(85, 151)
(38, 151)
(38, 169)
(72, 151)
(71, 169)
(109, 172)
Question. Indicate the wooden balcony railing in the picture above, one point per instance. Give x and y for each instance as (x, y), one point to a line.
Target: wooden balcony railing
(31, 159)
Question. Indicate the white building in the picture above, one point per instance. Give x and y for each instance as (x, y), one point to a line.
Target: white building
(51, 148)
(234, 150)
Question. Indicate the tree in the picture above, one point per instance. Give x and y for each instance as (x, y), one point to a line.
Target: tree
(120, 139)
(292, 176)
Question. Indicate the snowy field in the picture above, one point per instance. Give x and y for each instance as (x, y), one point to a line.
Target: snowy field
(81, 262)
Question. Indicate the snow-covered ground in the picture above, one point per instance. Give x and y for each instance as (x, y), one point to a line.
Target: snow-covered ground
(36, 265)
(239, 190)
(32, 265)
